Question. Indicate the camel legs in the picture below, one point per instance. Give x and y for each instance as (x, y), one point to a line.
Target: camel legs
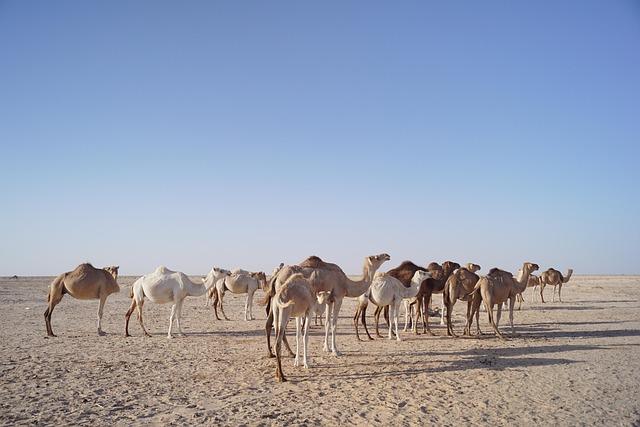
(541, 292)
(333, 310)
(364, 322)
(520, 299)
(394, 307)
(356, 318)
(103, 299)
(127, 316)
(268, 326)
(178, 316)
(296, 361)
(450, 305)
(214, 303)
(512, 302)
(171, 317)
(442, 322)
(220, 296)
(491, 319)
(425, 316)
(499, 315)
(305, 345)
(55, 296)
(250, 302)
(280, 327)
(559, 291)
(139, 305)
(376, 317)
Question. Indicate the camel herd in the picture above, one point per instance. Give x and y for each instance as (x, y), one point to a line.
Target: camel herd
(313, 287)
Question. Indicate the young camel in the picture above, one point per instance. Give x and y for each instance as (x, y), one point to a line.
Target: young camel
(534, 282)
(386, 290)
(459, 286)
(84, 282)
(497, 287)
(554, 278)
(295, 298)
(329, 278)
(238, 282)
(163, 286)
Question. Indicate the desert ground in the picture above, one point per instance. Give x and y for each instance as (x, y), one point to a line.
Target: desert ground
(571, 363)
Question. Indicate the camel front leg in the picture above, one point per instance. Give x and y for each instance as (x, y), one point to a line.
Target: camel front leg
(553, 299)
(327, 326)
(305, 344)
(390, 319)
(279, 337)
(406, 305)
(559, 292)
(178, 316)
(296, 361)
(171, 318)
(499, 315)
(364, 322)
(103, 299)
(425, 316)
(442, 321)
(250, 299)
(396, 309)
(512, 302)
(334, 324)
(356, 319)
(268, 326)
(246, 308)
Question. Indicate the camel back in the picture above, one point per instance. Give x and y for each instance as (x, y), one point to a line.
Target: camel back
(405, 271)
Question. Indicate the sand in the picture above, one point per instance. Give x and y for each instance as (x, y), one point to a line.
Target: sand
(573, 363)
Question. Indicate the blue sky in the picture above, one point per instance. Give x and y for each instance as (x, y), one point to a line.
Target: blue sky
(193, 134)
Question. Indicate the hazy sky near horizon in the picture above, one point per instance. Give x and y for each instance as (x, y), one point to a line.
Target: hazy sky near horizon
(193, 134)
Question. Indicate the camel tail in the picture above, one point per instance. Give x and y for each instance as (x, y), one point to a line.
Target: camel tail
(269, 292)
(476, 289)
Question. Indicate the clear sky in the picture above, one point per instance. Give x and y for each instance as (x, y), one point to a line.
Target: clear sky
(193, 134)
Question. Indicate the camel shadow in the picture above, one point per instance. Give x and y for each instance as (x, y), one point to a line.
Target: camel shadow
(610, 333)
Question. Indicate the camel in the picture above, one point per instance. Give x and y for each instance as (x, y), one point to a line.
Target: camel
(84, 282)
(458, 286)
(163, 286)
(495, 288)
(386, 290)
(555, 278)
(533, 282)
(328, 278)
(238, 282)
(211, 279)
(295, 298)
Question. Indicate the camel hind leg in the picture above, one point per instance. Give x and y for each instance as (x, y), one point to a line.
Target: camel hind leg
(489, 308)
(376, 317)
(139, 304)
(127, 316)
(364, 322)
(559, 292)
(356, 318)
(56, 291)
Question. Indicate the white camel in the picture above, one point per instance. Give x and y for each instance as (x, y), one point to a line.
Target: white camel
(163, 286)
(387, 290)
(238, 282)
(296, 298)
(211, 278)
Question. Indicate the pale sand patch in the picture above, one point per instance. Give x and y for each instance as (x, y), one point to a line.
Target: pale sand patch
(574, 363)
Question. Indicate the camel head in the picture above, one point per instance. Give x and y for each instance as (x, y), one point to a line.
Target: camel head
(449, 266)
(375, 261)
(530, 267)
(324, 297)
(214, 275)
(113, 270)
(261, 278)
(472, 267)
(420, 276)
(436, 271)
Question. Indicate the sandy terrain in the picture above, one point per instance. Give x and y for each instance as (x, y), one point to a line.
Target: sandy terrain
(573, 363)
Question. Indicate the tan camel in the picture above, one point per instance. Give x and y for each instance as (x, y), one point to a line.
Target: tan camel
(238, 282)
(328, 277)
(554, 278)
(296, 298)
(459, 286)
(85, 282)
(534, 282)
(497, 287)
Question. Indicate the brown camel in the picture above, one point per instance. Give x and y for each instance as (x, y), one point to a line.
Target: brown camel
(324, 277)
(85, 282)
(428, 288)
(459, 286)
(554, 278)
(497, 287)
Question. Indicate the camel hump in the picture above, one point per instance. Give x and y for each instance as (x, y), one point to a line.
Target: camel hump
(312, 262)
(163, 270)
